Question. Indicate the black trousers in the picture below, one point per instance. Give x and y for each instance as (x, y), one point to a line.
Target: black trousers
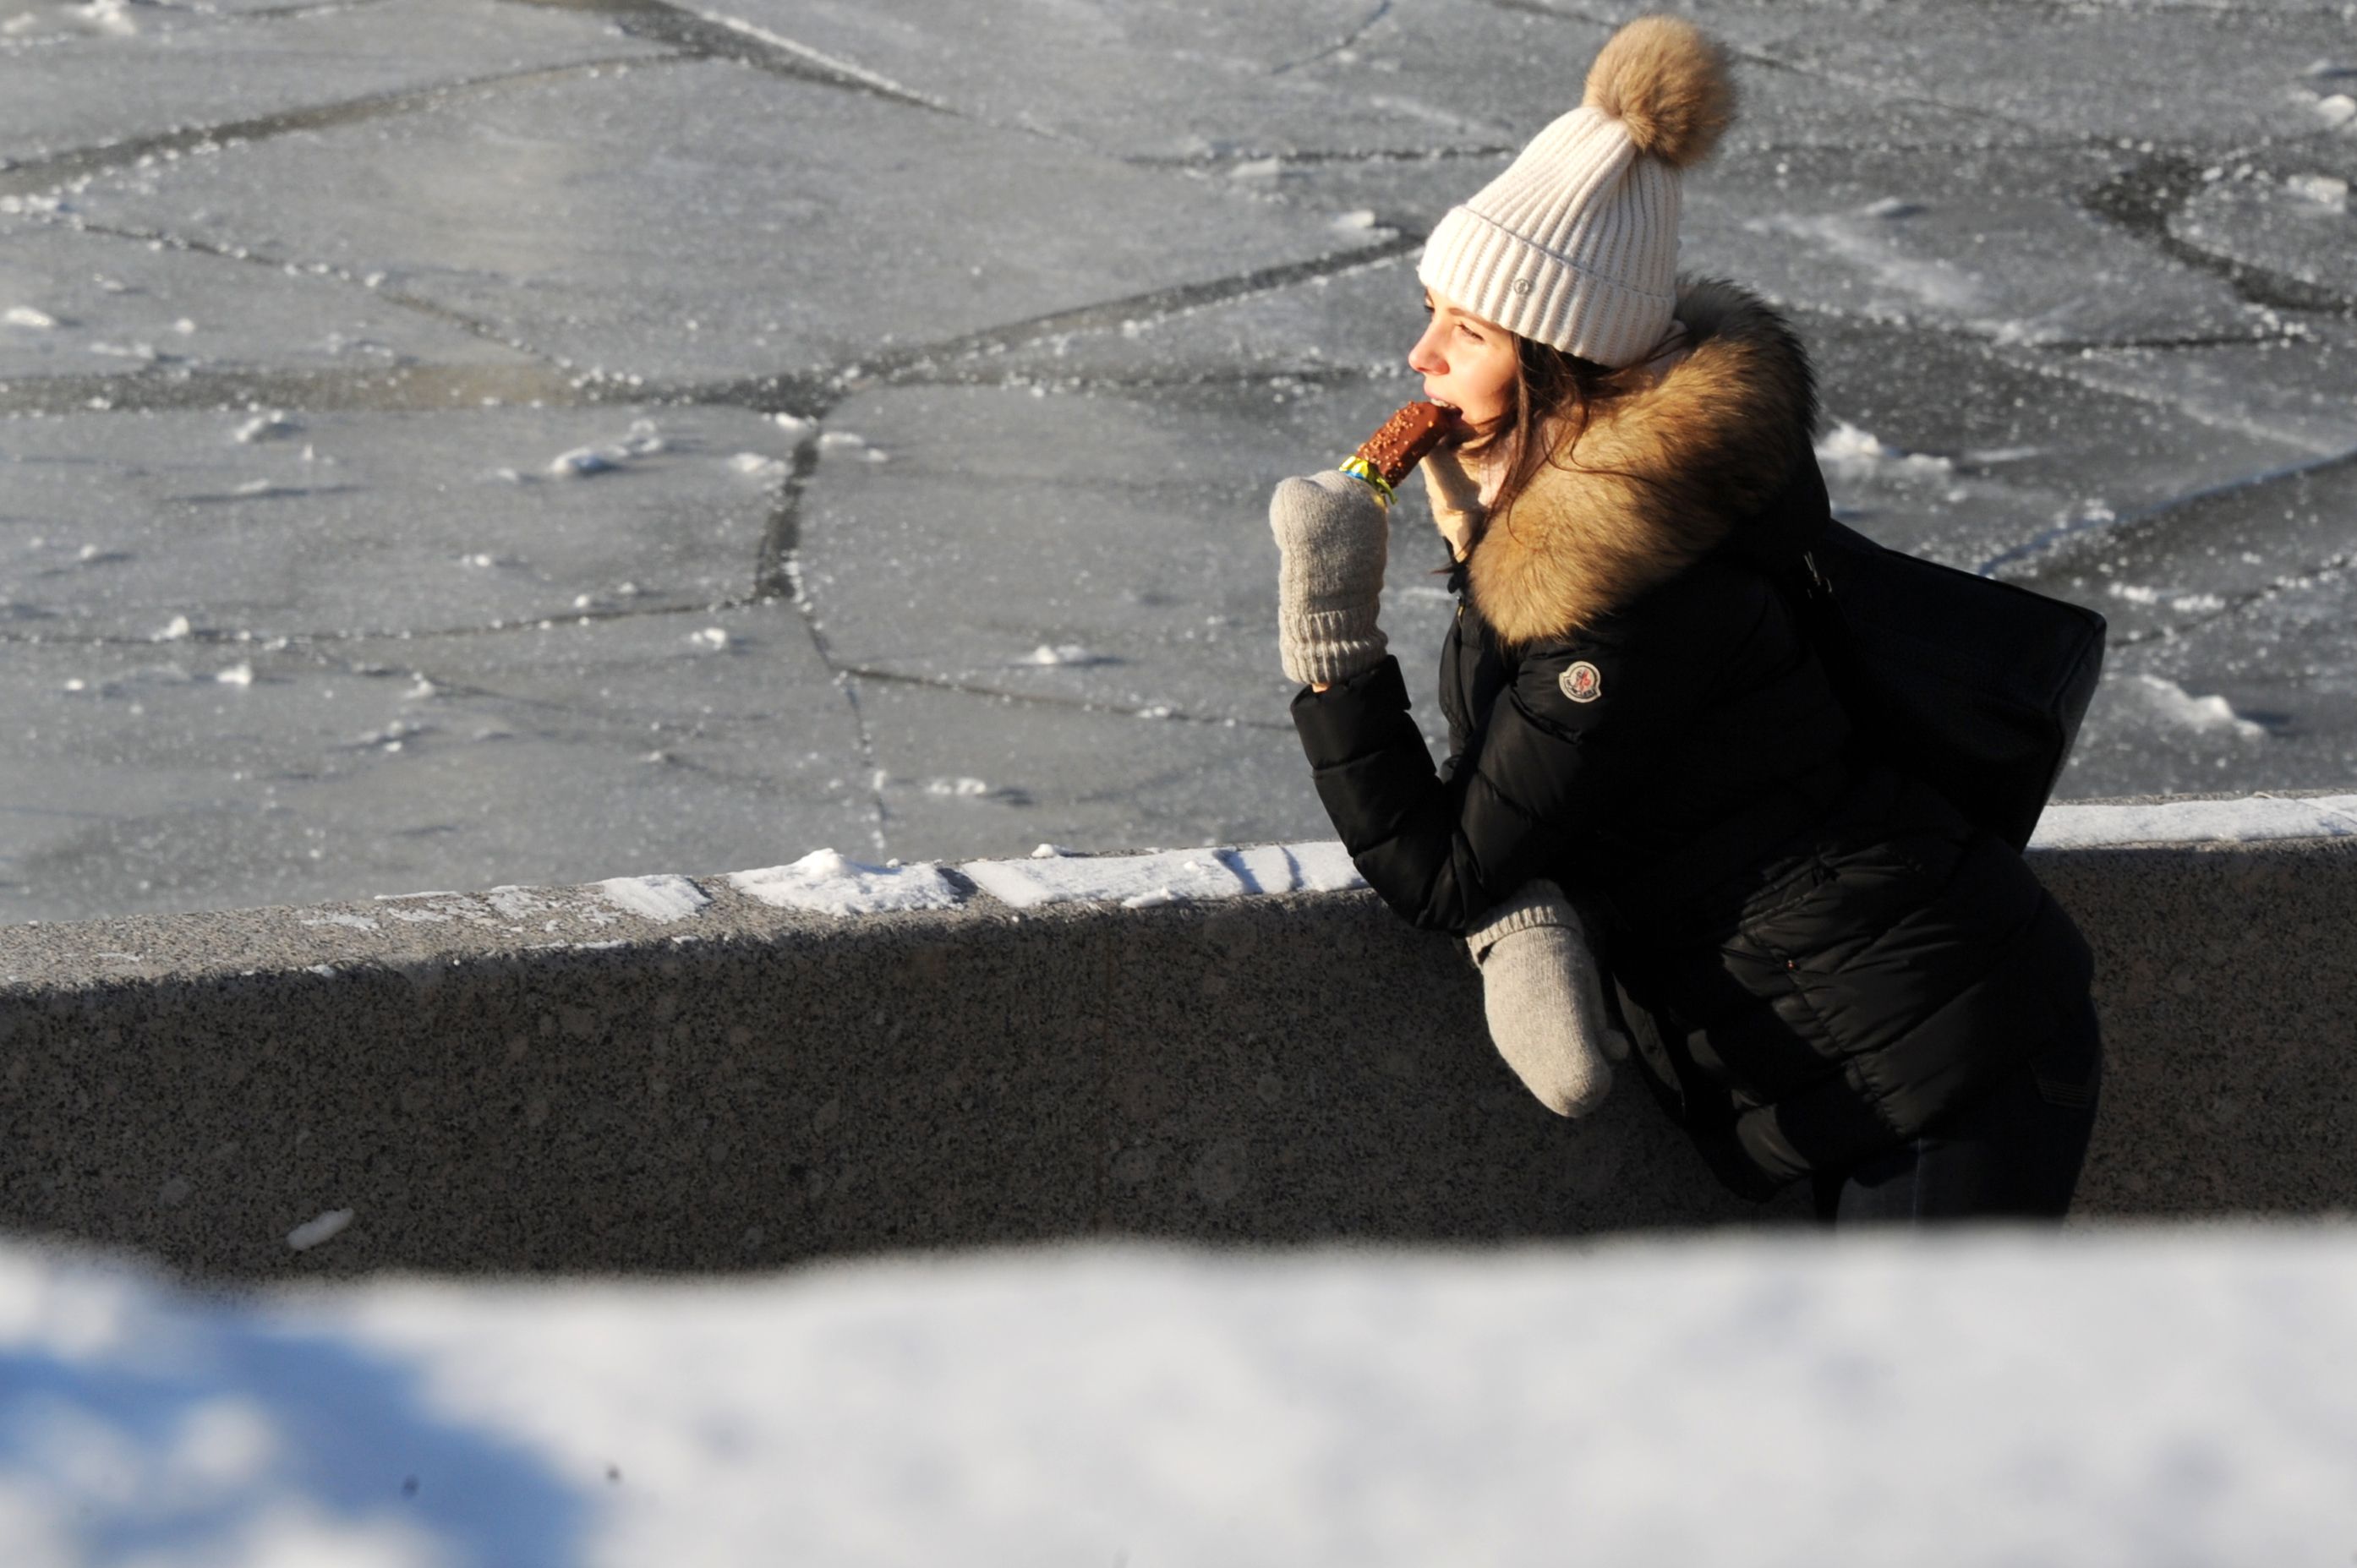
(2011, 1153)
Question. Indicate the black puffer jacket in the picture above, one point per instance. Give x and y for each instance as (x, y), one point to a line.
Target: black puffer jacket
(1825, 955)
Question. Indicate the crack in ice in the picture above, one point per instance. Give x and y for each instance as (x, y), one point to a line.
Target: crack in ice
(2142, 201)
(251, 637)
(2110, 523)
(1864, 85)
(848, 72)
(1153, 305)
(395, 298)
(1046, 700)
(407, 389)
(1383, 9)
(45, 175)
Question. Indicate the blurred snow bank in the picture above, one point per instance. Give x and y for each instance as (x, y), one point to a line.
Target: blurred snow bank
(2089, 1398)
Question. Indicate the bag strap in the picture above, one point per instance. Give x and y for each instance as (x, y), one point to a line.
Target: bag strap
(1810, 594)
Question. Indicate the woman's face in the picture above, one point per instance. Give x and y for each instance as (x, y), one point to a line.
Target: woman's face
(1467, 364)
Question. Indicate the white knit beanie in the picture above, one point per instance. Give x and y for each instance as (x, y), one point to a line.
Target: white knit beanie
(1577, 243)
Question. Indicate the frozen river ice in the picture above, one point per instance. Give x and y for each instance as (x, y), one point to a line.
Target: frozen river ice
(446, 443)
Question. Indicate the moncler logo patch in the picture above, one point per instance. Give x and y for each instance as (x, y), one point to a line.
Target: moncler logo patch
(1583, 682)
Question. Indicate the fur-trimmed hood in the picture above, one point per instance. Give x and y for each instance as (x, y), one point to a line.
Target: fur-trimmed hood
(1663, 475)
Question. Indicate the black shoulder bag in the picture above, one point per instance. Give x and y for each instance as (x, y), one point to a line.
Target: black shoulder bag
(1974, 686)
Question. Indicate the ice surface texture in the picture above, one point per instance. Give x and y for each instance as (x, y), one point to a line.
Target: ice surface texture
(672, 432)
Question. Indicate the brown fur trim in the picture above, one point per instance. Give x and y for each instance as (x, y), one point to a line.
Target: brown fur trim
(1664, 473)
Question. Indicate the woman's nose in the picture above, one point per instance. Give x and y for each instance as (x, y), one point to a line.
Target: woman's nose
(1423, 359)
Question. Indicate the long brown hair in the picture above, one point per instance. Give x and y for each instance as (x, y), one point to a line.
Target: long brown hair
(1556, 396)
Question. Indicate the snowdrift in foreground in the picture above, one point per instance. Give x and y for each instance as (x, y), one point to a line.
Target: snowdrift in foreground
(2092, 1399)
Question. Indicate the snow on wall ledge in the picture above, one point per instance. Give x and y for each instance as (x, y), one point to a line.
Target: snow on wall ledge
(2101, 1400)
(822, 1058)
(2250, 820)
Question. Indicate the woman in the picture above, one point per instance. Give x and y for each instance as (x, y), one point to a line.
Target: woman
(1829, 973)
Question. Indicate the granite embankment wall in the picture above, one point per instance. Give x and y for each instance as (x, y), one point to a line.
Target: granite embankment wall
(663, 1075)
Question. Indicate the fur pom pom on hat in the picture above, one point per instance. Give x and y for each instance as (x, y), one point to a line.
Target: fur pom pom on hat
(1667, 85)
(1577, 243)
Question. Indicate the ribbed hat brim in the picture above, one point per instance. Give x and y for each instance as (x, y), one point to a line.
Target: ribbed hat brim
(1533, 293)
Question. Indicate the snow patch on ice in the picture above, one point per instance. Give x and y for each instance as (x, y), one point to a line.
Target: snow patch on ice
(643, 441)
(755, 466)
(110, 16)
(582, 461)
(26, 315)
(2175, 705)
(1060, 654)
(239, 674)
(394, 736)
(663, 897)
(831, 884)
(326, 1228)
(271, 425)
(356, 922)
(2325, 190)
(1853, 453)
(2187, 603)
(845, 443)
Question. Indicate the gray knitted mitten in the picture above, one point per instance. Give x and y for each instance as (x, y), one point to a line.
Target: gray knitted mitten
(1544, 999)
(1333, 536)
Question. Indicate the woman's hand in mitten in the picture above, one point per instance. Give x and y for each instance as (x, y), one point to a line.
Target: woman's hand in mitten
(1544, 999)
(1333, 536)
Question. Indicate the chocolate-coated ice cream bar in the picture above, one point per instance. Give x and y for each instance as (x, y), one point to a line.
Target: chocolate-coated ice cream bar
(1406, 437)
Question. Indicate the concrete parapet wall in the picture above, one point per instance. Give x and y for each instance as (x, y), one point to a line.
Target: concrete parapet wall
(540, 1080)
